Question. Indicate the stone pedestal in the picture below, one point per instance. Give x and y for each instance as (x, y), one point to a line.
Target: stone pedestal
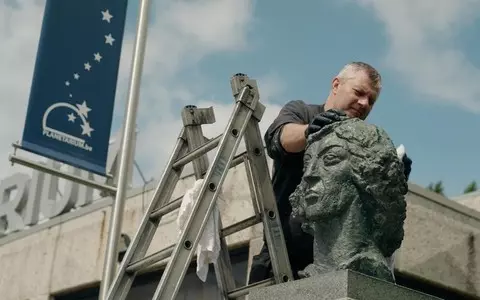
(338, 285)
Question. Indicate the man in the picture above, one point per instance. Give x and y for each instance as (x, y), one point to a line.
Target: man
(353, 93)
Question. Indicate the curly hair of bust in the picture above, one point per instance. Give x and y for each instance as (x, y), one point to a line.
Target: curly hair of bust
(379, 174)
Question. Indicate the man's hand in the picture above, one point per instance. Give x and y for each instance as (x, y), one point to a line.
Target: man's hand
(323, 119)
(407, 165)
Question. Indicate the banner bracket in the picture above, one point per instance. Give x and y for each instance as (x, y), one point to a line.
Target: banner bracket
(43, 168)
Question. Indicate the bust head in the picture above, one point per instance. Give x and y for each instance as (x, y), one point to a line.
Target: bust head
(352, 194)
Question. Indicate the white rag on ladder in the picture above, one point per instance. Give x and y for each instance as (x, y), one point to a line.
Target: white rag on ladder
(208, 248)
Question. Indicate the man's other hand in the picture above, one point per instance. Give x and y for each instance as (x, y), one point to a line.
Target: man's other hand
(407, 166)
(323, 119)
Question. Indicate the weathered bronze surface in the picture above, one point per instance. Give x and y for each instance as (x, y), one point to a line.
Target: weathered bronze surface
(351, 199)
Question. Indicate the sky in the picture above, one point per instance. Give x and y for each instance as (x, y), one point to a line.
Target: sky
(427, 53)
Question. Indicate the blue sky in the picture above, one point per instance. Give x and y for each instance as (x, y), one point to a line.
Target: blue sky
(426, 52)
(303, 46)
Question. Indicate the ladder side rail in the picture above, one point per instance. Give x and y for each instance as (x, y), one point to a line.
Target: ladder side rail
(271, 220)
(146, 230)
(257, 205)
(266, 198)
(195, 140)
(182, 255)
(223, 267)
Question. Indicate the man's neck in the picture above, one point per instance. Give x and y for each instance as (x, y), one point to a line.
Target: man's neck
(328, 103)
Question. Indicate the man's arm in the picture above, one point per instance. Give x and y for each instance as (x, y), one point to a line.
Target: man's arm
(292, 137)
(285, 135)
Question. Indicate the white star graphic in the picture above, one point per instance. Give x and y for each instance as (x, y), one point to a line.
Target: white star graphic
(67, 83)
(84, 109)
(109, 39)
(70, 95)
(106, 16)
(97, 56)
(86, 129)
(76, 76)
(87, 66)
(71, 117)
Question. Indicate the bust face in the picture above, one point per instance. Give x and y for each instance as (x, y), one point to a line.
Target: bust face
(328, 181)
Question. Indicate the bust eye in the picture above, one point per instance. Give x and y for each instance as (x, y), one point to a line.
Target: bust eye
(331, 159)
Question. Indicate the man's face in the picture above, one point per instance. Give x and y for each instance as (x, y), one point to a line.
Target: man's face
(355, 95)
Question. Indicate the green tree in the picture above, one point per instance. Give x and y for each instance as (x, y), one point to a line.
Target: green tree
(471, 187)
(436, 187)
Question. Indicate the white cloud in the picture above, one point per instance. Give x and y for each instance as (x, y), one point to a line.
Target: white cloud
(182, 33)
(423, 47)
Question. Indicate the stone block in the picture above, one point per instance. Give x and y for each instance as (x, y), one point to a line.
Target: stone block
(344, 284)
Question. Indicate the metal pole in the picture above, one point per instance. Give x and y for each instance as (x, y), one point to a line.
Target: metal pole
(127, 145)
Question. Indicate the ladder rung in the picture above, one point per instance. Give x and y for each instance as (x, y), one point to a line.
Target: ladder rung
(165, 253)
(173, 205)
(167, 208)
(240, 225)
(150, 260)
(238, 159)
(211, 144)
(244, 290)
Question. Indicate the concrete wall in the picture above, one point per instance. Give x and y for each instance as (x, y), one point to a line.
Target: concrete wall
(441, 242)
(471, 200)
(440, 245)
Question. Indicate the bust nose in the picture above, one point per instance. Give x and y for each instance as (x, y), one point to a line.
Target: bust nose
(316, 192)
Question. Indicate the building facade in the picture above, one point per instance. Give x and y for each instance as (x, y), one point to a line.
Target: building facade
(62, 257)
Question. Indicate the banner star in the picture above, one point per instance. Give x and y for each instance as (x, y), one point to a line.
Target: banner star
(83, 109)
(109, 39)
(76, 76)
(86, 129)
(71, 117)
(106, 16)
(67, 83)
(97, 56)
(87, 66)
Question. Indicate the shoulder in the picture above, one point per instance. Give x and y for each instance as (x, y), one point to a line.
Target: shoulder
(298, 105)
(303, 109)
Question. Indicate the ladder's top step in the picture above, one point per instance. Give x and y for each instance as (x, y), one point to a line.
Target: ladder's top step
(191, 115)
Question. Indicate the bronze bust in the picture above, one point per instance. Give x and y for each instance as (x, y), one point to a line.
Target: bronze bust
(351, 199)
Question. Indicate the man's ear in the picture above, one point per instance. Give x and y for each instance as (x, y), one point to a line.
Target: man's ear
(335, 85)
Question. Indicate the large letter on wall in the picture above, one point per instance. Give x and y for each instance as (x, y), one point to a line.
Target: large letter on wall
(50, 206)
(11, 209)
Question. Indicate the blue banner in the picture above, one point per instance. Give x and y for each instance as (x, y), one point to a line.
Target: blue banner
(72, 95)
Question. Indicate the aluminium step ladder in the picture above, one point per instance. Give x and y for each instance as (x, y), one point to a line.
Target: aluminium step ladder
(191, 147)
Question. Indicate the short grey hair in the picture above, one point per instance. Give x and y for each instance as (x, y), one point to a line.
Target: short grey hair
(372, 73)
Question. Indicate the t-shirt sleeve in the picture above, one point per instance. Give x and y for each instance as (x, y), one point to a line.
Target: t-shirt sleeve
(293, 112)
